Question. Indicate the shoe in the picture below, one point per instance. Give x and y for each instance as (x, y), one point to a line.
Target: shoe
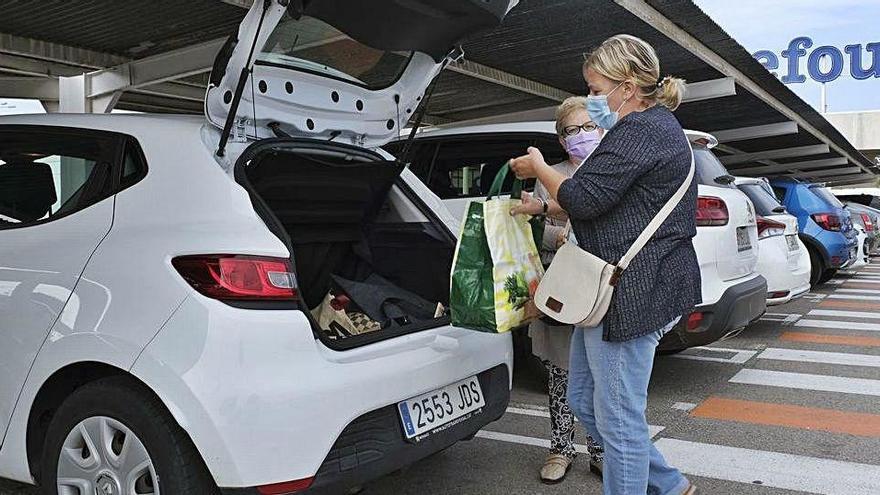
(690, 490)
(555, 468)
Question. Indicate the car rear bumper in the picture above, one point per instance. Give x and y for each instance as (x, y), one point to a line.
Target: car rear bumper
(264, 402)
(374, 445)
(740, 305)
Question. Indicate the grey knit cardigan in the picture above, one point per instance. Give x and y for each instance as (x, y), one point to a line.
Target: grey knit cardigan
(637, 167)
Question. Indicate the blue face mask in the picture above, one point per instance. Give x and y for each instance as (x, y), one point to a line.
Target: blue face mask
(600, 112)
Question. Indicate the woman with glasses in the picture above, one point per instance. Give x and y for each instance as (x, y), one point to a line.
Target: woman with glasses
(579, 136)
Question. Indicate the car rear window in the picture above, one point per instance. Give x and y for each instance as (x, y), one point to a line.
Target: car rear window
(708, 168)
(765, 203)
(826, 195)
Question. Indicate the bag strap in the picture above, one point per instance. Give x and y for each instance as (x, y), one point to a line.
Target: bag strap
(498, 183)
(658, 219)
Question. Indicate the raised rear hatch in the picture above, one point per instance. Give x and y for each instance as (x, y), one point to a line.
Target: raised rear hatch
(351, 71)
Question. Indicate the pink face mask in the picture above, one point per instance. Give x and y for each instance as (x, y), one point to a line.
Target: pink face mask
(581, 145)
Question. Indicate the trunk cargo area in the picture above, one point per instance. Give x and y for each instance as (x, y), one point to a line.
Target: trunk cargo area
(372, 262)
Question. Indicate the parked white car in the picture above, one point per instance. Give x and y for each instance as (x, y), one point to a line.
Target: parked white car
(157, 279)
(458, 163)
(862, 257)
(783, 258)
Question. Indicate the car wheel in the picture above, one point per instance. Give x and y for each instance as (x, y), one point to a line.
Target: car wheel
(827, 275)
(817, 268)
(111, 437)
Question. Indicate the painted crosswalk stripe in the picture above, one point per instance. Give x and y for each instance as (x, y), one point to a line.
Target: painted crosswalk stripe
(845, 314)
(822, 338)
(854, 296)
(804, 381)
(851, 281)
(772, 469)
(544, 413)
(804, 356)
(788, 415)
(841, 325)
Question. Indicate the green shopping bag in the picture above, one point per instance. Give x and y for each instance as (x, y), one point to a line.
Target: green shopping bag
(496, 266)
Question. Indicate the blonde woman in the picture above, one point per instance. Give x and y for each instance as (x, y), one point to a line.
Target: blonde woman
(579, 136)
(640, 163)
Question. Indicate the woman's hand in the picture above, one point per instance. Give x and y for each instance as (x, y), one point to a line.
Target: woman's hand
(526, 166)
(530, 206)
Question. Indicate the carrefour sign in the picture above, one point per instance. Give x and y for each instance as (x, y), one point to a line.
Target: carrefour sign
(824, 63)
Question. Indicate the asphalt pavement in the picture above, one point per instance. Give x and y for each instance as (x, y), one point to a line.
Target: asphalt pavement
(791, 405)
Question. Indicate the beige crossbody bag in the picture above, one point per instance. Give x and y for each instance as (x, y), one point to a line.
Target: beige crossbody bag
(577, 287)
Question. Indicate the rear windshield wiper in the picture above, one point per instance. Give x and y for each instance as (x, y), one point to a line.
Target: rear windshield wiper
(724, 179)
(778, 209)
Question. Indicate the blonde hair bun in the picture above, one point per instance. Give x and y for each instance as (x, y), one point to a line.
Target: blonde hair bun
(627, 58)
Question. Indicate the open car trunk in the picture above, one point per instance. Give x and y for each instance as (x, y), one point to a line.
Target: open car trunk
(371, 260)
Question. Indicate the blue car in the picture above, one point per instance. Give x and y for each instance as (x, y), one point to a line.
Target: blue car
(824, 226)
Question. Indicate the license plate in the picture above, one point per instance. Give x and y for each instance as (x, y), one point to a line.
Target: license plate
(743, 242)
(440, 407)
(792, 242)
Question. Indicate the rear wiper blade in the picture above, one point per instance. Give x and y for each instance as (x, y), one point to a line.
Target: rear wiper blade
(724, 179)
(778, 209)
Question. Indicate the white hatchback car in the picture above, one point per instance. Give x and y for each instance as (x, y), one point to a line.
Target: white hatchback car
(458, 162)
(159, 275)
(782, 257)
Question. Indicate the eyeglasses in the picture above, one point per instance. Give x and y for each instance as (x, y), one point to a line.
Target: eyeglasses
(571, 130)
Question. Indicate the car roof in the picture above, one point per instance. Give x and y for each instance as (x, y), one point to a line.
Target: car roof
(116, 122)
(537, 126)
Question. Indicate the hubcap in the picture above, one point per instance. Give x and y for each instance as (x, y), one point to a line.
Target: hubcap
(101, 456)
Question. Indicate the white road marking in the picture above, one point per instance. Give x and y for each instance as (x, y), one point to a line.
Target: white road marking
(684, 406)
(814, 296)
(844, 314)
(840, 325)
(859, 291)
(544, 413)
(542, 442)
(860, 281)
(853, 296)
(740, 356)
(784, 318)
(772, 469)
(804, 356)
(804, 381)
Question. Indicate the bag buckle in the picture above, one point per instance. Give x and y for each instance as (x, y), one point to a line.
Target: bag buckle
(615, 276)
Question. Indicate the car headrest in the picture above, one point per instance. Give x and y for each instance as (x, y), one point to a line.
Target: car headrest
(27, 190)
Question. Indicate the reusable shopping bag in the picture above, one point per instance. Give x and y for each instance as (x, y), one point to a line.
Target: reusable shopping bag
(496, 267)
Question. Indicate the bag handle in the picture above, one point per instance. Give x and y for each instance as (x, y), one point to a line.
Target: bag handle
(498, 183)
(658, 219)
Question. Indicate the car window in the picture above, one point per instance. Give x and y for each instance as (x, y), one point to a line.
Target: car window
(765, 203)
(45, 175)
(779, 192)
(827, 196)
(465, 168)
(708, 168)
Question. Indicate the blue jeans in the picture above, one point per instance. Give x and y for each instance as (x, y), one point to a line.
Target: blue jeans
(608, 392)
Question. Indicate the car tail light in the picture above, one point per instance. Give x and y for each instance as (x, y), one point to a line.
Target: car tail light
(238, 277)
(777, 294)
(828, 221)
(694, 321)
(869, 225)
(711, 211)
(286, 487)
(769, 228)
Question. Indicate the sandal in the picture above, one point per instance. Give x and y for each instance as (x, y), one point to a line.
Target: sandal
(555, 469)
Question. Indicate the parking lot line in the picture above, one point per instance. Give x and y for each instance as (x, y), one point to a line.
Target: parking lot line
(804, 356)
(804, 381)
(807, 418)
(544, 413)
(844, 314)
(857, 290)
(853, 296)
(771, 469)
(823, 338)
(842, 325)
